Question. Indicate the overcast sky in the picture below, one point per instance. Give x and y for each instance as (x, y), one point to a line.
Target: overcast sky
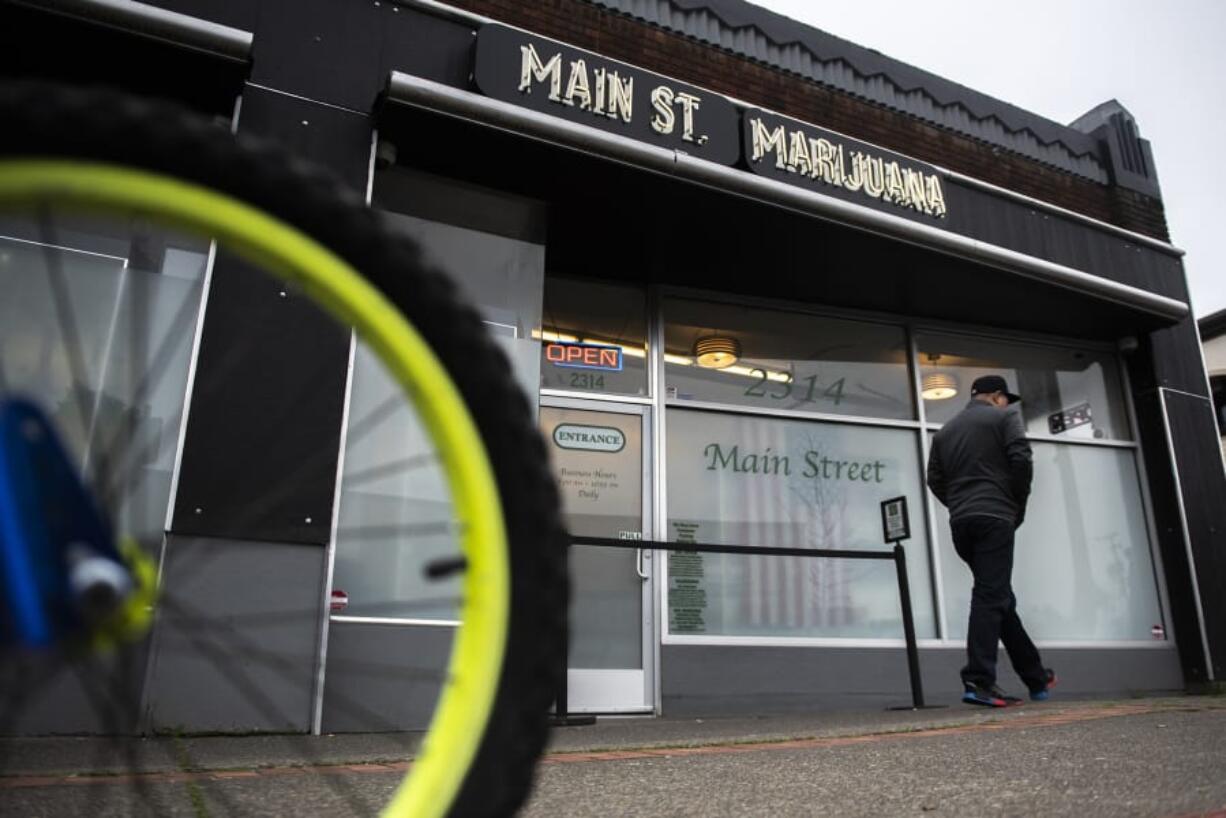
(1164, 61)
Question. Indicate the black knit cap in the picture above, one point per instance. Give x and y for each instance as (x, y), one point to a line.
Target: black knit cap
(993, 383)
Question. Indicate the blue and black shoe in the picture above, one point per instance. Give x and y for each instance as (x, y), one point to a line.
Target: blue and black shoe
(1042, 694)
(988, 696)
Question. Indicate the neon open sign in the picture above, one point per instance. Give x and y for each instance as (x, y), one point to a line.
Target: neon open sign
(584, 356)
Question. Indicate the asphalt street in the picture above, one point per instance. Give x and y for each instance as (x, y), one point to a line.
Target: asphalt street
(1141, 757)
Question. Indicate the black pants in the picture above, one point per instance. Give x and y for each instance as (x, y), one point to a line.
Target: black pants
(986, 545)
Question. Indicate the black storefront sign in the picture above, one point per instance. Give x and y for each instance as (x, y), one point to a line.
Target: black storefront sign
(559, 80)
(579, 86)
(810, 157)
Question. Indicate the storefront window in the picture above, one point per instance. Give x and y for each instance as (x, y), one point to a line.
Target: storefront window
(395, 513)
(746, 480)
(491, 244)
(395, 510)
(1082, 568)
(721, 353)
(594, 337)
(1066, 392)
(132, 297)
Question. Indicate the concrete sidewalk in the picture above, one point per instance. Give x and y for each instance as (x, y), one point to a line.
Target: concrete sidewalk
(1159, 757)
(1168, 756)
(68, 755)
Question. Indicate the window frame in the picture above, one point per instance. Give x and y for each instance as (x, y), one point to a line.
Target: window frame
(658, 294)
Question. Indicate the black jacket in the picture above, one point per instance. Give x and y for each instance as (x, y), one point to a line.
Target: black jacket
(981, 465)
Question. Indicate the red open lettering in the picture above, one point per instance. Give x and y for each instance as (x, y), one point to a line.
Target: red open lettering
(586, 356)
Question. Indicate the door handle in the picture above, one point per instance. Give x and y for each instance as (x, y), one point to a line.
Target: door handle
(638, 564)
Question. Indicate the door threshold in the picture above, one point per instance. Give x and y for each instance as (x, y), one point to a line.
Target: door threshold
(625, 713)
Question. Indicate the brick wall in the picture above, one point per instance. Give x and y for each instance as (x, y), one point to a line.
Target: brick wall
(629, 40)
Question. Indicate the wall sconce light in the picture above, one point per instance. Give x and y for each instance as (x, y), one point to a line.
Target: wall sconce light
(717, 351)
(938, 386)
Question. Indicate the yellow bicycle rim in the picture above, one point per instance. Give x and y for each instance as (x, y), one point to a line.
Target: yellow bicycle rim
(476, 659)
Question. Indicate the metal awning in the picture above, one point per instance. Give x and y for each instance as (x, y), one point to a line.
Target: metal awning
(426, 94)
(156, 23)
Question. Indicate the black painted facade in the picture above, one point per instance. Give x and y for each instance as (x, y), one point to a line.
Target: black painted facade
(315, 81)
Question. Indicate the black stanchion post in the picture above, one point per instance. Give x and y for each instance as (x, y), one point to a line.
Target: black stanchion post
(908, 626)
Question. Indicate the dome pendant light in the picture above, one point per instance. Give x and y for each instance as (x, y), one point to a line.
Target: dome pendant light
(939, 386)
(717, 351)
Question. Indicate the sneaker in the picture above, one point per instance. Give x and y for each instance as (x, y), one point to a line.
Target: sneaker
(1042, 694)
(990, 696)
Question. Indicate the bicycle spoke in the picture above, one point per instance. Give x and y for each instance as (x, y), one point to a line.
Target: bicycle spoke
(23, 689)
(151, 379)
(401, 466)
(359, 429)
(244, 685)
(284, 665)
(289, 666)
(65, 318)
(123, 696)
(109, 492)
(99, 705)
(287, 488)
(407, 530)
(373, 610)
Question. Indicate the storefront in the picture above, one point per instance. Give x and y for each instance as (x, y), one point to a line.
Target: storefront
(744, 321)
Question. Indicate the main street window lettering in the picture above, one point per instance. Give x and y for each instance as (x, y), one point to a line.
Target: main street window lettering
(803, 154)
(810, 463)
(560, 80)
(764, 481)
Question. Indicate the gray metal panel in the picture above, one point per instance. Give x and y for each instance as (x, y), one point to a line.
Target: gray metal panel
(383, 677)
(234, 648)
(1201, 485)
(782, 43)
(59, 703)
(720, 680)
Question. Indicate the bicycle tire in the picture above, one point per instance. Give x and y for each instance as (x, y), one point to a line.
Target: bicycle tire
(114, 129)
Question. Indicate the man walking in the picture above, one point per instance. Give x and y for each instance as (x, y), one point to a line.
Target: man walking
(980, 468)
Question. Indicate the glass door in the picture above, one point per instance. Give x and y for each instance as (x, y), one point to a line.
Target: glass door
(599, 454)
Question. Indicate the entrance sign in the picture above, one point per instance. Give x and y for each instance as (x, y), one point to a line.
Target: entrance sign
(801, 154)
(895, 522)
(560, 80)
(589, 438)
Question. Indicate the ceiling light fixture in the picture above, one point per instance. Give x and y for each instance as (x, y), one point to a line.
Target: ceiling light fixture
(717, 351)
(939, 386)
